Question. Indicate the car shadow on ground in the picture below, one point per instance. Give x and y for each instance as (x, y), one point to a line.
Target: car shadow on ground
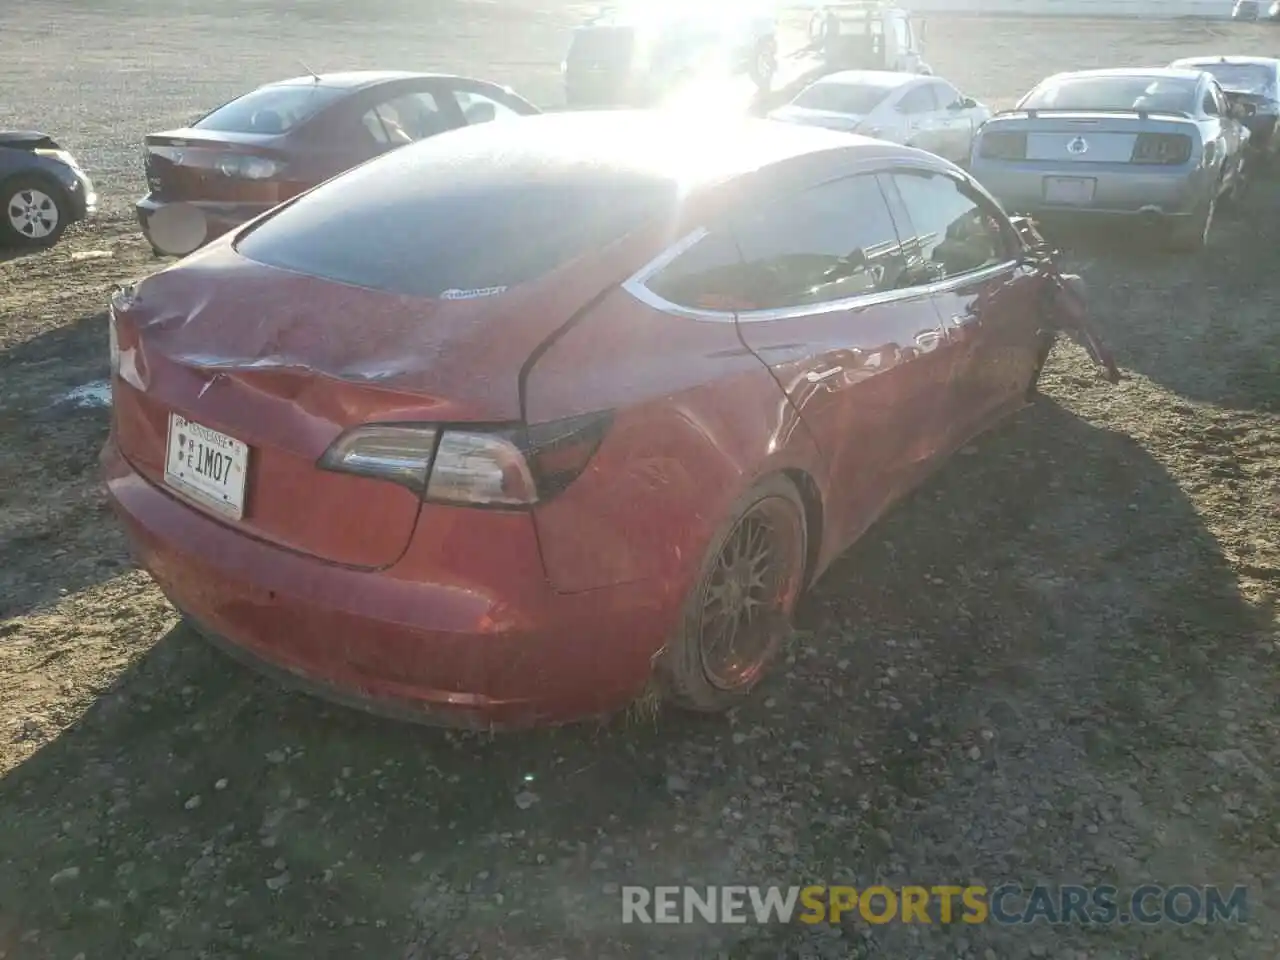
(50, 501)
(1205, 354)
(195, 807)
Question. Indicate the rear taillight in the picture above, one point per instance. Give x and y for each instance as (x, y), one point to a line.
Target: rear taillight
(1162, 148)
(122, 300)
(498, 466)
(248, 168)
(1003, 145)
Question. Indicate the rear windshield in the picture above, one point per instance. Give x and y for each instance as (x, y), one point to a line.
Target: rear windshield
(1246, 77)
(274, 109)
(366, 229)
(1156, 94)
(841, 97)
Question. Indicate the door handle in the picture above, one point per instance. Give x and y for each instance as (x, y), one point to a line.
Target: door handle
(817, 376)
(928, 338)
(964, 319)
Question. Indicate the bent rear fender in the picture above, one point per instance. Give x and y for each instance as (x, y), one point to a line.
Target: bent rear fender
(698, 418)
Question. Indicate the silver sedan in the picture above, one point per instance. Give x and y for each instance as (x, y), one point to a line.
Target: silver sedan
(907, 108)
(1159, 145)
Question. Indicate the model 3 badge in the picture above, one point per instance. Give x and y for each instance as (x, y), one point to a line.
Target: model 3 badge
(1078, 146)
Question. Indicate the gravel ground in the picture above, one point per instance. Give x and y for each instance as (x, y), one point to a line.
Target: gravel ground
(1057, 662)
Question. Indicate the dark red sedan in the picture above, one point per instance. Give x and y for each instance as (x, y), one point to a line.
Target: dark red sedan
(510, 425)
(283, 138)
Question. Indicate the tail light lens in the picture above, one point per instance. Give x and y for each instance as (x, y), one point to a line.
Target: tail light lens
(1003, 145)
(480, 466)
(122, 300)
(1162, 148)
(249, 168)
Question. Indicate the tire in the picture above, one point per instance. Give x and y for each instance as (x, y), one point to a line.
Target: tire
(764, 66)
(694, 671)
(1194, 236)
(34, 212)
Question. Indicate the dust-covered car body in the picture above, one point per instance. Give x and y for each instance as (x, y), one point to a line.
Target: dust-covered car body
(427, 466)
(1253, 82)
(42, 187)
(1159, 145)
(635, 54)
(907, 108)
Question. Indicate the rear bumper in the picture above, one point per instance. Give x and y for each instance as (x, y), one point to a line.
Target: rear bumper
(480, 641)
(1118, 192)
(219, 218)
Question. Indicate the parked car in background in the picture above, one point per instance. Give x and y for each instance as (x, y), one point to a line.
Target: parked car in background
(283, 138)
(1253, 82)
(1246, 10)
(506, 426)
(1273, 12)
(907, 108)
(43, 188)
(1160, 146)
(867, 35)
(638, 54)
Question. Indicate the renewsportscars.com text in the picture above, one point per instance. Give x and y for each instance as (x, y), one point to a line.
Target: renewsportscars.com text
(1008, 904)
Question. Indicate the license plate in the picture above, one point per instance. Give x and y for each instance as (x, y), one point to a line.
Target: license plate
(1069, 189)
(207, 466)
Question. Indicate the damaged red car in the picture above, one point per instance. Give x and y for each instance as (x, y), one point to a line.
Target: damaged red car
(514, 425)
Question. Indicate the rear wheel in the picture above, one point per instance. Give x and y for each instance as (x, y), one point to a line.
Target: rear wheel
(739, 613)
(35, 212)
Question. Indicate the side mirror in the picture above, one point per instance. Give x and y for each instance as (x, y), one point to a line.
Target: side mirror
(968, 103)
(481, 113)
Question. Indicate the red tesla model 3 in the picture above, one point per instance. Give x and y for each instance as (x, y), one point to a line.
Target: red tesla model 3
(512, 425)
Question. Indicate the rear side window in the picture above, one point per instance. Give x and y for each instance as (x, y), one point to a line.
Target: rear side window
(710, 275)
(828, 243)
(405, 225)
(920, 100)
(477, 108)
(955, 233)
(405, 119)
(269, 110)
(847, 98)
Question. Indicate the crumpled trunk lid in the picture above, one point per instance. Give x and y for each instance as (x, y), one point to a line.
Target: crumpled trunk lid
(285, 363)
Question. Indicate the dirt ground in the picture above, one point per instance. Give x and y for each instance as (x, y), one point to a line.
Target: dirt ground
(1057, 663)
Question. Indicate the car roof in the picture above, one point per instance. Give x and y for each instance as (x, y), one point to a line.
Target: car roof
(355, 79)
(1155, 73)
(1260, 61)
(873, 78)
(690, 151)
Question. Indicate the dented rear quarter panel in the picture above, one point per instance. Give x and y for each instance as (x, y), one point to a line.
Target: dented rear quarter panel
(699, 419)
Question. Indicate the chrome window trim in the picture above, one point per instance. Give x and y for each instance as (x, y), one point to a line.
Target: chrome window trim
(636, 286)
